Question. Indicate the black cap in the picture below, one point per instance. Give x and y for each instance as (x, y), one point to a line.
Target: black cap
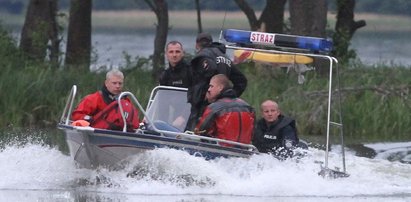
(204, 37)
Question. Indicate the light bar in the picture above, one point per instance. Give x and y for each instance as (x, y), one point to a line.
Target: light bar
(313, 44)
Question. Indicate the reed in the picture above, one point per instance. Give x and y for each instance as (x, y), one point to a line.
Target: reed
(35, 97)
(375, 99)
(374, 108)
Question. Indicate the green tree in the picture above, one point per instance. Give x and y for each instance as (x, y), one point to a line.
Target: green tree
(160, 8)
(78, 50)
(345, 29)
(308, 17)
(39, 28)
(270, 20)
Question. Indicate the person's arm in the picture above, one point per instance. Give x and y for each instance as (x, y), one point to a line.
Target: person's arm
(163, 78)
(206, 124)
(133, 119)
(204, 67)
(239, 81)
(290, 136)
(85, 109)
(258, 140)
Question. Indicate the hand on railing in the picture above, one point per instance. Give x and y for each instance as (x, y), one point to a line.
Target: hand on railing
(142, 126)
(200, 132)
(189, 132)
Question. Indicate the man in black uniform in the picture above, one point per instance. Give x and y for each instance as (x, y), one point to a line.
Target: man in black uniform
(211, 59)
(275, 133)
(177, 75)
(177, 72)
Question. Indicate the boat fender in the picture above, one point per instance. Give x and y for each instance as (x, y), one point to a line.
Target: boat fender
(82, 123)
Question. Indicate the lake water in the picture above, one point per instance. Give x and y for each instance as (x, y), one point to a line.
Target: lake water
(37, 172)
(109, 47)
(371, 48)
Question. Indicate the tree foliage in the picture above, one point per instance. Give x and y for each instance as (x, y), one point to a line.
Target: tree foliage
(160, 8)
(78, 50)
(308, 17)
(271, 18)
(345, 28)
(39, 28)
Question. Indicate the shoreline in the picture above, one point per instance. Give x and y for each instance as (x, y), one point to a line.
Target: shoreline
(135, 20)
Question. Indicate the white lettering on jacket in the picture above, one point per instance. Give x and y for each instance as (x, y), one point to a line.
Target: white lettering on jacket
(271, 137)
(177, 82)
(221, 59)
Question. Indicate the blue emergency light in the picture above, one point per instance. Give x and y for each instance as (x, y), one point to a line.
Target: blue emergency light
(313, 44)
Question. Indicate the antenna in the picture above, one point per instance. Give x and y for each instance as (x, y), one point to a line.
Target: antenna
(222, 26)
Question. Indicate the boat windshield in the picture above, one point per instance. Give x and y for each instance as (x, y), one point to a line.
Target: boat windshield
(169, 105)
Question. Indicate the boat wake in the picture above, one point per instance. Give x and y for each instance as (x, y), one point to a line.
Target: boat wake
(158, 166)
(165, 172)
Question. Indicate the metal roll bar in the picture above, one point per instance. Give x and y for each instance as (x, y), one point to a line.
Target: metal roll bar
(325, 171)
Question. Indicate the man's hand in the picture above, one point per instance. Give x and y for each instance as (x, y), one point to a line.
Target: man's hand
(199, 132)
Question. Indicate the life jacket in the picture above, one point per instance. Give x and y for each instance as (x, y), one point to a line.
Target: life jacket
(269, 138)
(110, 117)
(228, 118)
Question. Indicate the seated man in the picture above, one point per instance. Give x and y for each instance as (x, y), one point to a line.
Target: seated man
(101, 109)
(227, 117)
(275, 133)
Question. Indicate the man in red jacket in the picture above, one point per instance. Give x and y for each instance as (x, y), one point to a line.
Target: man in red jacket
(227, 117)
(101, 109)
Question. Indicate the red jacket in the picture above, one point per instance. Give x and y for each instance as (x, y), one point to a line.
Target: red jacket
(89, 106)
(94, 109)
(229, 119)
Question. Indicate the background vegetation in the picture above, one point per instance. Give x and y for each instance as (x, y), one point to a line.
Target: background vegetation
(374, 108)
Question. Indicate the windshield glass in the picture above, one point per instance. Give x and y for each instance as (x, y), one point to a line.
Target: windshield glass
(170, 106)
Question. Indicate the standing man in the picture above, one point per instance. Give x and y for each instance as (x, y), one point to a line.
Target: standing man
(177, 72)
(177, 75)
(211, 59)
(274, 132)
(227, 117)
(100, 109)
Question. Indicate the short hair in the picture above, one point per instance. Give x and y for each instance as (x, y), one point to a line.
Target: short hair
(174, 43)
(204, 39)
(223, 80)
(269, 102)
(114, 72)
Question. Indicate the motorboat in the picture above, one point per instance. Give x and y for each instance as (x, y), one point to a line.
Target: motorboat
(93, 147)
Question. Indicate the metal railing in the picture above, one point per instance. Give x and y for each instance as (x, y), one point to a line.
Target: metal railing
(338, 124)
(188, 135)
(65, 117)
